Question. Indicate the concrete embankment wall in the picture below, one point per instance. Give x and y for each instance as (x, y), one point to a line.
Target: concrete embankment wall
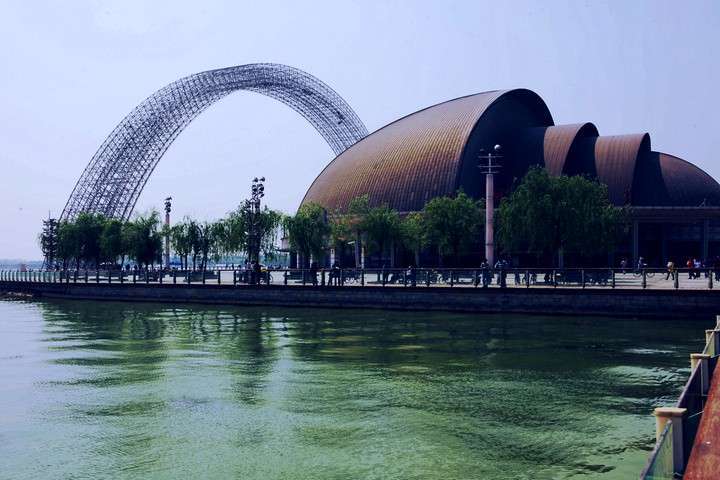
(618, 302)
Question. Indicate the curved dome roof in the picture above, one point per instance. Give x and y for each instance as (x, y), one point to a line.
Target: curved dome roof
(560, 141)
(434, 152)
(615, 160)
(686, 184)
(430, 153)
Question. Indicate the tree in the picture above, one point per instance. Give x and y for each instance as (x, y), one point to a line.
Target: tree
(549, 216)
(307, 230)
(89, 229)
(453, 224)
(68, 244)
(382, 228)
(357, 209)
(112, 244)
(413, 235)
(144, 239)
(181, 242)
(194, 241)
(49, 241)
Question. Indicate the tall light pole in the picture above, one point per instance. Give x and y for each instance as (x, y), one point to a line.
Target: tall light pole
(489, 165)
(257, 191)
(168, 207)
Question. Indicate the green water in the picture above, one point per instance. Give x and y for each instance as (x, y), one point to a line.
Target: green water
(116, 390)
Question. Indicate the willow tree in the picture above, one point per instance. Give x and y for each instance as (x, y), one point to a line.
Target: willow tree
(144, 239)
(381, 226)
(307, 230)
(549, 216)
(453, 224)
(413, 234)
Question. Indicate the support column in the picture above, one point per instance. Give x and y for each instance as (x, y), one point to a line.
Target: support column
(635, 240)
(663, 245)
(674, 415)
(489, 213)
(705, 240)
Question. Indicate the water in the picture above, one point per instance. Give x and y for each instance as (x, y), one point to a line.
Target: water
(116, 390)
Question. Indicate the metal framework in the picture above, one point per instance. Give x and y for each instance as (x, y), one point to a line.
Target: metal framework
(119, 170)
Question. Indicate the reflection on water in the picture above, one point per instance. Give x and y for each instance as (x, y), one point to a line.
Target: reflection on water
(116, 390)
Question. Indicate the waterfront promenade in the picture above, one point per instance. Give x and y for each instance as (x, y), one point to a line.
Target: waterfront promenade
(579, 292)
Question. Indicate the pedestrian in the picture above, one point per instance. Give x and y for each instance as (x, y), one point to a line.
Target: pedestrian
(689, 264)
(623, 264)
(670, 270)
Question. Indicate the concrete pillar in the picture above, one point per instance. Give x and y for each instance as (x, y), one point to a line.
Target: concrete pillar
(356, 249)
(362, 257)
(700, 360)
(674, 415)
(705, 239)
(489, 212)
(332, 257)
(635, 239)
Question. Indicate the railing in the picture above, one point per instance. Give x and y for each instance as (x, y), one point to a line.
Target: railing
(676, 427)
(583, 278)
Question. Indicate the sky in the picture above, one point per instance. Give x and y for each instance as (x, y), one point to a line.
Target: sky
(72, 70)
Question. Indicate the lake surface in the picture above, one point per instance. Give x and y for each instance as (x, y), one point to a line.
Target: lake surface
(118, 390)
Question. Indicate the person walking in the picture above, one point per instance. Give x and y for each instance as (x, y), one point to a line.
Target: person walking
(670, 270)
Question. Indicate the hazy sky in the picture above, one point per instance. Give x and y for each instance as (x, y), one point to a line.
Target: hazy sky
(72, 70)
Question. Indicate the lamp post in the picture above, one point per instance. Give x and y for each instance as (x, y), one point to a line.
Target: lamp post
(489, 165)
(168, 208)
(252, 206)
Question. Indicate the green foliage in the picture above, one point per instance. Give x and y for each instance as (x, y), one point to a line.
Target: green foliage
(546, 215)
(452, 224)
(413, 234)
(308, 230)
(112, 244)
(49, 241)
(381, 226)
(180, 241)
(143, 239)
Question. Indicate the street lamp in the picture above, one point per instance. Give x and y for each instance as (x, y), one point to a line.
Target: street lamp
(168, 208)
(489, 165)
(257, 191)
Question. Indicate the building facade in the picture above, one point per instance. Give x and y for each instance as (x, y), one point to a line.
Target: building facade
(674, 206)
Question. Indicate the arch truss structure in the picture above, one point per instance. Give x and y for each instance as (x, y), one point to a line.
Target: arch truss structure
(117, 173)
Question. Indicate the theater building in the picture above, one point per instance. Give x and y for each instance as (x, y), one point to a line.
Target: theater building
(674, 206)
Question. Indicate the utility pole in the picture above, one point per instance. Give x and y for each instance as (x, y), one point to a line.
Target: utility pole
(168, 207)
(489, 165)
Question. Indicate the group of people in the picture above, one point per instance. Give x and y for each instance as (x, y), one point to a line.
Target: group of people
(695, 268)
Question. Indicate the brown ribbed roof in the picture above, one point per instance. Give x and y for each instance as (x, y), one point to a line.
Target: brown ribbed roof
(686, 184)
(615, 160)
(411, 160)
(558, 141)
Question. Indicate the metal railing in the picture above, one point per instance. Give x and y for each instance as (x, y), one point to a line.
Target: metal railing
(676, 427)
(528, 278)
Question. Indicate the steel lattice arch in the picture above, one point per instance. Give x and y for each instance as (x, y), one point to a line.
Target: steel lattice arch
(117, 173)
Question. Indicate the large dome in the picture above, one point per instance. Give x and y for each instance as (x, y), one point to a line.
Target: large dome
(434, 152)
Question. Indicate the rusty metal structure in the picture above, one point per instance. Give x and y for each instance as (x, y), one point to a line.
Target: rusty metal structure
(434, 152)
(674, 206)
(117, 173)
